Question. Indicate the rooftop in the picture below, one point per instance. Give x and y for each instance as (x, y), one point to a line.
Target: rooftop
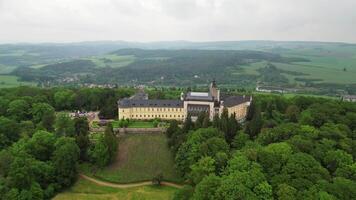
(198, 96)
(236, 100)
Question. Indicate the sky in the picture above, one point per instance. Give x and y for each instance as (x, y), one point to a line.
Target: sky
(166, 20)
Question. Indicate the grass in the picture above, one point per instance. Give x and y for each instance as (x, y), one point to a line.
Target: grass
(140, 158)
(6, 69)
(314, 70)
(85, 190)
(112, 60)
(12, 81)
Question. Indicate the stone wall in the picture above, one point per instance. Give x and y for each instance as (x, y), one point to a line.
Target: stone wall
(139, 130)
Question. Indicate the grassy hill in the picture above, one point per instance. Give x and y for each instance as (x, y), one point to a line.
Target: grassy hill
(140, 158)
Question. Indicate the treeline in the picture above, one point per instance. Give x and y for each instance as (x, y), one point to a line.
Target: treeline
(41, 146)
(298, 148)
(21, 100)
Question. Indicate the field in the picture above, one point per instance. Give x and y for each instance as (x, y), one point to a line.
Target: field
(11, 81)
(85, 190)
(325, 73)
(140, 158)
(111, 60)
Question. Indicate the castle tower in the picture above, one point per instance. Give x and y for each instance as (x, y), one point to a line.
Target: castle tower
(214, 91)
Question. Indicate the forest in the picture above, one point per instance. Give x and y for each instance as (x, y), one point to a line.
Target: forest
(288, 148)
(298, 148)
(41, 146)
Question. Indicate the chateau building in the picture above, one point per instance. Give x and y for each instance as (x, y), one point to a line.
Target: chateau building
(192, 103)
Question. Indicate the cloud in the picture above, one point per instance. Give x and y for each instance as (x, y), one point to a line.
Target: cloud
(152, 20)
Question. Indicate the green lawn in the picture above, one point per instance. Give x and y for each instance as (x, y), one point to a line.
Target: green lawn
(12, 81)
(85, 190)
(140, 158)
(135, 124)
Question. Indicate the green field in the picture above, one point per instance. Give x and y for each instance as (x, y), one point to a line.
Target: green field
(85, 190)
(140, 158)
(112, 60)
(327, 73)
(12, 81)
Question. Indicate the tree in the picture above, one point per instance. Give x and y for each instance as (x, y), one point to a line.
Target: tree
(27, 128)
(99, 153)
(204, 167)
(81, 126)
(286, 192)
(65, 160)
(274, 156)
(189, 152)
(81, 136)
(184, 194)
(207, 188)
(64, 125)
(188, 124)
(41, 145)
(206, 122)
(9, 132)
(43, 115)
(157, 179)
(18, 110)
(4, 103)
(254, 126)
(232, 129)
(244, 185)
(111, 141)
(292, 113)
(63, 99)
(342, 188)
(337, 158)
(302, 171)
(240, 140)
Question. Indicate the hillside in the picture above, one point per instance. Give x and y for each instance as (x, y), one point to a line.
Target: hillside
(309, 67)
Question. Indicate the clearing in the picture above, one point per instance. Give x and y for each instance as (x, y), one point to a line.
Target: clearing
(140, 158)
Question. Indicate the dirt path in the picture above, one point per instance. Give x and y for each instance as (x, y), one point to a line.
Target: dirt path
(128, 185)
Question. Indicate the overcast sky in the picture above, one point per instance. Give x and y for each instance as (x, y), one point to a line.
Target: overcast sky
(194, 20)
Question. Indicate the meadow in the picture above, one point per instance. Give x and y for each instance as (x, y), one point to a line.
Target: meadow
(86, 190)
(12, 81)
(111, 60)
(140, 158)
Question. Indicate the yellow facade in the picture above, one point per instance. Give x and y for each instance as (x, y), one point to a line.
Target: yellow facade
(239, 110)
(146, 113)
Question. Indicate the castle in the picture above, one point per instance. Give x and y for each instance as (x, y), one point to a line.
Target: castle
(139, 107)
